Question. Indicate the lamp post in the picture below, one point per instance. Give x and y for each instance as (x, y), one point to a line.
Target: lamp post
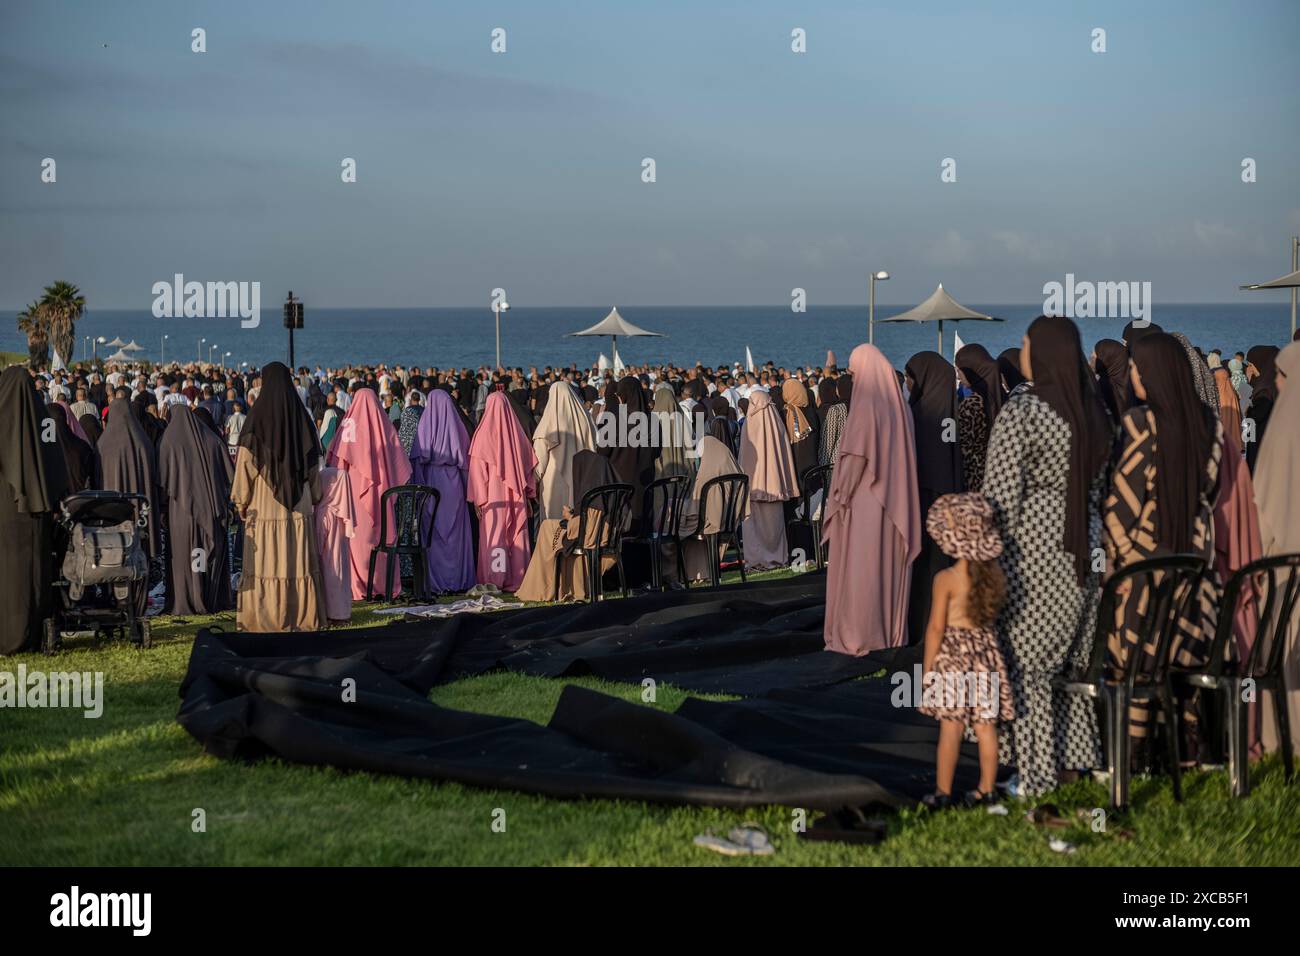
(225, 361)
(95, 344)
(878, 276)
(293, 310)
(162, 351)
(497, 309)
(199, 356)
(210, 348)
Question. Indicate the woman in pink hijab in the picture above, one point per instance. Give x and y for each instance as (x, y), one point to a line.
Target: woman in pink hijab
(502, 479)
(367, 448)
(872, 522)
(766, 457)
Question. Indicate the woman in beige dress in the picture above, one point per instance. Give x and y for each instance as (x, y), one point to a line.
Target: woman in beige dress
(716, 460)
(548, 579)
(564, 431)
(277, 483)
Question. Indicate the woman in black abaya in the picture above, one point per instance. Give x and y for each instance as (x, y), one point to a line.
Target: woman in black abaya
(33, 479)
(128, 462)
(78, 456)
(195, 471)
(932, 391)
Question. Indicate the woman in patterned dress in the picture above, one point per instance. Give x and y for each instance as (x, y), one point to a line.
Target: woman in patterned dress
(1045, 475)
(1161, 502)
(975, 415)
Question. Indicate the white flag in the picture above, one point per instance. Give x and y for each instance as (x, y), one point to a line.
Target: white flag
(618, 362)
(749, 360)
(602, 364)
(957, 344)
(57, 365)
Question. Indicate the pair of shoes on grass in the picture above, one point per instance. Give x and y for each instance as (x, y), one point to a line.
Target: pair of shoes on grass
(972, 798)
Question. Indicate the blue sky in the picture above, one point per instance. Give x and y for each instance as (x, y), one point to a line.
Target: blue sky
(523, 170)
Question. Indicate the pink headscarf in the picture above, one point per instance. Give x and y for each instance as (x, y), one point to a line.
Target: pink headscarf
(499, 440)
(879, 431)
(765, 452)
(73, 422)
(367, 445)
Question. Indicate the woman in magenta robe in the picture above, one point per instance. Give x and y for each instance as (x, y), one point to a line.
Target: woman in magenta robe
(501, 482)
(367, 448)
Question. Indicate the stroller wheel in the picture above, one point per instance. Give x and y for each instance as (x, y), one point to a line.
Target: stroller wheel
(145, 631)
(50, 637)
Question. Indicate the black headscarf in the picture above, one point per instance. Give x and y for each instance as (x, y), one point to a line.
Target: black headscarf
(128, 462)
(78, 457)
(1062, 380)
(934, 410)
(844, 384)
(1112, 377)
(590, 470)
(1009, 366)
(1132, 332)
(152, 426)
(1264, 386)
(34, 470)
(633, 465)
(281, 436)
(1187, 427)
(90, 425)
(984, 378)
(828, 393)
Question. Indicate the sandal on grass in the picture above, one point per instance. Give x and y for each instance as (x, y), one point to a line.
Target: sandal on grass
(846, 825)
(741, 841)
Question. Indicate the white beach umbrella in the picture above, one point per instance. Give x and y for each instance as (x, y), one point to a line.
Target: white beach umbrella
(615, 325)
(941, 308)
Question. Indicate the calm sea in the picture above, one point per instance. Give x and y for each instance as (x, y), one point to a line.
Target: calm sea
(711, 334)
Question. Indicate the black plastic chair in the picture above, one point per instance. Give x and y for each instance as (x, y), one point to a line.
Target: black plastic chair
(814, 479)
(612, 503)
(1171, 586)
(410, 540)
(661, 519)
(1275, 584)
(734, 490)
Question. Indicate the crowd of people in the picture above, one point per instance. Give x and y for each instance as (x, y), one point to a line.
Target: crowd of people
(964, 506)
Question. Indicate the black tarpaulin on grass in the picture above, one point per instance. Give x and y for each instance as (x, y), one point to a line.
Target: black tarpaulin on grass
(804, 744)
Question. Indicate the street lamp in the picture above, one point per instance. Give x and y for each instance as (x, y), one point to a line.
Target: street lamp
(162, 352)
(224, 361)
(498, 308)
(199, 356)
(210, 348)
(95, 344)
(879, 276)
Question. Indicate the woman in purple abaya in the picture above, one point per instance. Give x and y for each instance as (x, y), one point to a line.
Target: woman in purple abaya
(440, 459)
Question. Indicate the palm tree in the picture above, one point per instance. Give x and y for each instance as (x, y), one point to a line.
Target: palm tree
(63, 303)
(31, 321)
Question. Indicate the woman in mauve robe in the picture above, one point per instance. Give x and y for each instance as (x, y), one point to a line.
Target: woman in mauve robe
(872, 522)
(335, 526)
(765, 456)
(440, 458)
(502, 479)
(367, 448)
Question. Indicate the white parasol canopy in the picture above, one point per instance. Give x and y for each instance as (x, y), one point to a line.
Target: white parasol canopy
(941, 308)
(615, 325)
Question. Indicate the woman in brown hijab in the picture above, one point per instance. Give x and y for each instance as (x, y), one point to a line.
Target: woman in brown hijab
(799, 426)
(765, 456)
(1229, 405)
(716, 460)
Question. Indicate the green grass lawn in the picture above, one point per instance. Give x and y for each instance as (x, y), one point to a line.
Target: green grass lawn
(121, 790)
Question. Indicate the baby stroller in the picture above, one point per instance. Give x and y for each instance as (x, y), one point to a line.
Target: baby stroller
(104, 567)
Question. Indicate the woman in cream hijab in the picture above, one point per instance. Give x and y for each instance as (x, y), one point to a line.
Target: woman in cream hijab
(1277, 478)
(565, 430)
(766, 458)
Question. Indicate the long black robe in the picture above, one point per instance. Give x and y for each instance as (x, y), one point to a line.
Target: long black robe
(938, 468)
(128, 462)
(33, 479)
(78, 456)
(195, 471)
